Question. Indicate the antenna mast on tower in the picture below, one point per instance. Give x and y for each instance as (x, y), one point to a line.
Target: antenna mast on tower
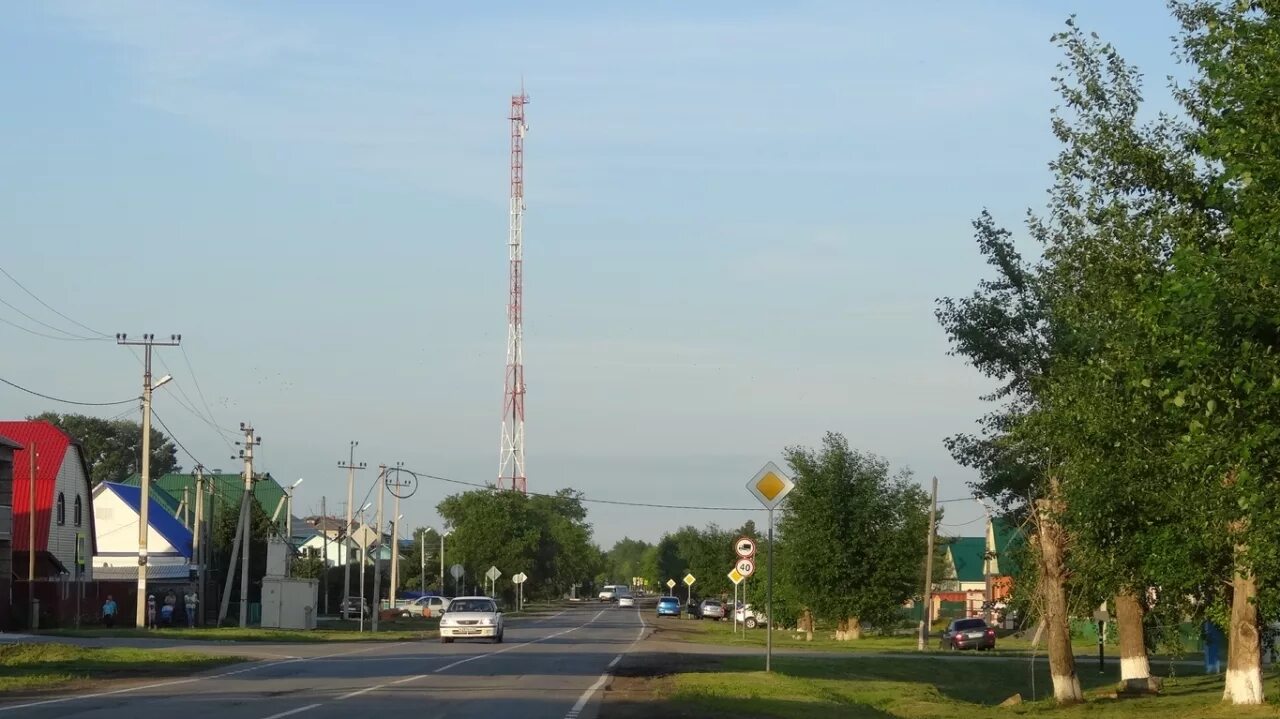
(511, 462)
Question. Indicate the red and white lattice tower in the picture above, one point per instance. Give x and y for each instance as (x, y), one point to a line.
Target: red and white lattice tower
(511, 462)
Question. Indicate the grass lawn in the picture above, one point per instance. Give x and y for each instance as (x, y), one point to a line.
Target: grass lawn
(925, 688)
(397, 630)
(31, 667)
(708, 632)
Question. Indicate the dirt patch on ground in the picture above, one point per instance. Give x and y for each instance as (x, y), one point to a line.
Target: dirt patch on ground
(644, 681)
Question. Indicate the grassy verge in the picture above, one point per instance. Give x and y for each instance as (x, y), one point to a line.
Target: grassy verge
(32, 667)
(398, 630)
(928, 688)
(721, 633)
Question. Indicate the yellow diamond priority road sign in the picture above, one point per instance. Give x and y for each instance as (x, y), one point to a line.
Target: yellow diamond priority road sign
(770, 485)
(736, 577)
(689, 579)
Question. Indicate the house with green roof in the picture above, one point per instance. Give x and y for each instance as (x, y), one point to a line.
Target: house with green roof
(225, 491)
(1005, 542)
(964, 561)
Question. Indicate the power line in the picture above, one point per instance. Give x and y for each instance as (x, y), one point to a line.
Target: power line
(67, 401)
(174, 437)
(23, 287)
(596, 501)
(46, 335)
(189, 405)
(38, 321)
(619, 502)
(196, 380)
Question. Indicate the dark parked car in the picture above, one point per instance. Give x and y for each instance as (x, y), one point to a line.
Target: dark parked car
(968, 634)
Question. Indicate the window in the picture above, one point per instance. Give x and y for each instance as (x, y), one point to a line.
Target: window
(62, 509)
(79, 511)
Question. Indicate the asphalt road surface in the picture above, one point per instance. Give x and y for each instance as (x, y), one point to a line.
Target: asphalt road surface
(553, 667)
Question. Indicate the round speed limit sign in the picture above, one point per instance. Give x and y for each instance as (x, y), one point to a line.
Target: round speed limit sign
(745, 567)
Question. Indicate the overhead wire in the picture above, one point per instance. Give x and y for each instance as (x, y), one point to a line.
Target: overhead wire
(196, 381)
(46, 335)
(624, 503)
(67, 401)
(70, 335)
(46, 305)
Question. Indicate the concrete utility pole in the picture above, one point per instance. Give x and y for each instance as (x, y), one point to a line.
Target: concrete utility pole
(147, 342)
(32, 620)
(377, 566)
(250, 441)
(422, 570)
(235, 554)
(927, 609)
(199, 547)
(324, 564)
(351, 468)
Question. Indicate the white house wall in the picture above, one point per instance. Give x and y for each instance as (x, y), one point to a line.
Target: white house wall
(117, 529)
(71, 483)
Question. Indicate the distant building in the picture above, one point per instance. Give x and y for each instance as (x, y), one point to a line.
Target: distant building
(963, 588)
(117, 510)
(7, 448)
(1004, 542)
(64, 534)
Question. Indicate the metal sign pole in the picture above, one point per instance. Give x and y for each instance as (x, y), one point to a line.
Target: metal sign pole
(768, 612)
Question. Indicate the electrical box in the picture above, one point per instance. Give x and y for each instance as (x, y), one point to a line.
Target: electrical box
(289, 603)
(278, 554)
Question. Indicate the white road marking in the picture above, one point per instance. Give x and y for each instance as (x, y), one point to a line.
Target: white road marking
(591, 690)
(586, 697)
(358, 692)
(291, 712)
(251, 667)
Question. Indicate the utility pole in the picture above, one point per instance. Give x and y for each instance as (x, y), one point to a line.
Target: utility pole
(250, 441)
(377, 566)
(351, 468)
(422, 571)
(199, 547)
(395, 542)
(147, 342)
(324, 564)
(32, 619)
(927, 610)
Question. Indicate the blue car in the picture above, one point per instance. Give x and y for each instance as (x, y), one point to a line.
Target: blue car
(668, 607)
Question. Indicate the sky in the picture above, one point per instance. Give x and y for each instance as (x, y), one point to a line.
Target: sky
(739, 216)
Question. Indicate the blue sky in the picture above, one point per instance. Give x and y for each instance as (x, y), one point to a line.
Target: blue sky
(739, 215)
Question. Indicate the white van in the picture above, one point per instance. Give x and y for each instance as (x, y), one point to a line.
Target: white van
(609, 592)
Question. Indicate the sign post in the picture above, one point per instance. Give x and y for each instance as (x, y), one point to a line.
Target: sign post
(736, 577)
(492, 575)
(689, 579)
(457, 571)
(770, 486)
(519, 579)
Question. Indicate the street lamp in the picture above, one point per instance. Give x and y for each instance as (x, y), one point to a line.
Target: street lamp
(288, 517)
(455, 582)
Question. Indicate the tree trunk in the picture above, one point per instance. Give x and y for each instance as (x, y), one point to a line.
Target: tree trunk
(1135, 670)
(849, 629)
(1053, 592)
(806, 625)
(1244, 653)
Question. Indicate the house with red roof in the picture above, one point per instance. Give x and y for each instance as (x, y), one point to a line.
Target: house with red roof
(7, 448)
(63, 516)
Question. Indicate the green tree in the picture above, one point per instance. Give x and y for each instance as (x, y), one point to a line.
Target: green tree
(546, 537)
(113, 448)
(853, 536)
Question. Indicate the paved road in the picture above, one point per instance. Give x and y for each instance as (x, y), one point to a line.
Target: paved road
(551, 667)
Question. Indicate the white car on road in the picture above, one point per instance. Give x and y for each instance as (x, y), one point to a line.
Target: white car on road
(626, 600)
(471, 618)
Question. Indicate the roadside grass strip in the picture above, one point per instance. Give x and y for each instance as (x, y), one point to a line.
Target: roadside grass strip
(34, 667)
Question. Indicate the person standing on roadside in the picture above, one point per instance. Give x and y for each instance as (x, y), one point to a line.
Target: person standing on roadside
(109, 610)
(151, 611)
(189, 602)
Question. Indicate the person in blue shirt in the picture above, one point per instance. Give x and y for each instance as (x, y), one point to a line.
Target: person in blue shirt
(1213, 642)
(109, 610)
